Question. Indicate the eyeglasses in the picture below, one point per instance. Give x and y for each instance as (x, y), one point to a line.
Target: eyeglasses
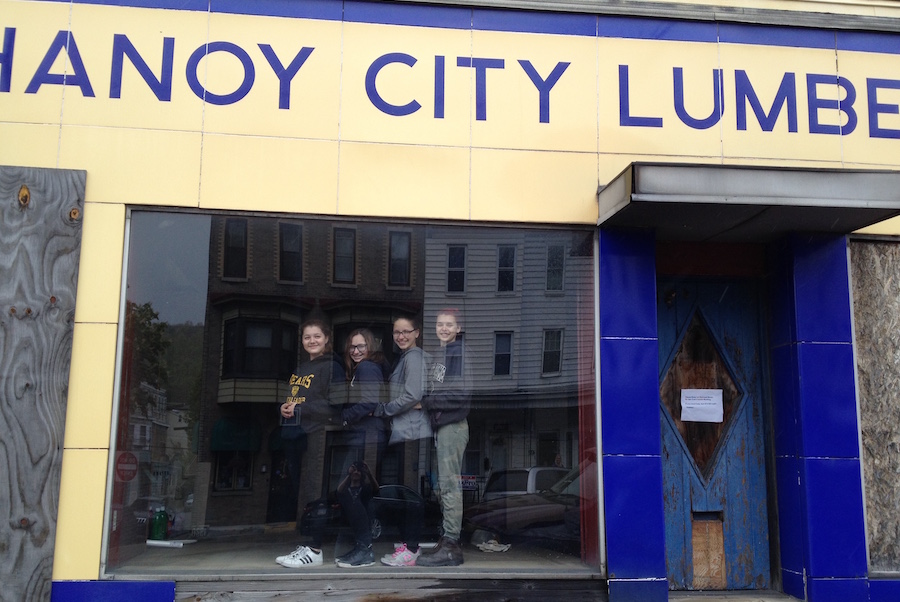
(405, 333)
(360, 347)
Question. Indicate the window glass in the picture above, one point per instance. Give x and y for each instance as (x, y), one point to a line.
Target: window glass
(456, 269)
(291, 256)
(552, 352)
(235, 259)
(506, 268)
(398, 270)
(244, 405)
(344, 255)
(502, 353)
(555, 266)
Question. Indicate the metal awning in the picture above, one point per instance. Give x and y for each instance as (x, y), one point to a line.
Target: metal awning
(716, 203)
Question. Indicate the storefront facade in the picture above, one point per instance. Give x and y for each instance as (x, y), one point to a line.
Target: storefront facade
(639, 225)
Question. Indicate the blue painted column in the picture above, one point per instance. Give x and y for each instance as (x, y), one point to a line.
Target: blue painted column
(819, 480)
(629, 405)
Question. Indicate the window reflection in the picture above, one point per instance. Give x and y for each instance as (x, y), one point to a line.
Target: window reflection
(212, 337)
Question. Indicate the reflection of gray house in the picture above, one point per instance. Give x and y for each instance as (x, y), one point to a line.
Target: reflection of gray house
(268, 275)
(522, 294)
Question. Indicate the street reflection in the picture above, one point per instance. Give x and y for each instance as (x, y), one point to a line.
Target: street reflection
(211, 340)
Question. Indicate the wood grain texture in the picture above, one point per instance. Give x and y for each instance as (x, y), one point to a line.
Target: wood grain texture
(40, 240)
(875, 270)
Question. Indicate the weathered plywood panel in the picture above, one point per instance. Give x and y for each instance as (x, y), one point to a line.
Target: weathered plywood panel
(40, 240)
(875, 270)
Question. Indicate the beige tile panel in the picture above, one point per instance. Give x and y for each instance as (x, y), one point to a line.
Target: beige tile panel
(314, 91)
(528, 186)
(399, 84)
(140, 167)
(765, 67)
(28, 145)
(36, 25)
(100, 267)
(650, 66)
(889, 227)
(512, 101)
(93, 28)
(89, 404)
(269, 174)
(80, 520)
(404, 181)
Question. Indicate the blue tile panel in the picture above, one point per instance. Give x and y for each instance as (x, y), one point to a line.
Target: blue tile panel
(834, 521)
(635, 527)
(816, 432)
(838, 590)
(827, 401)
(523, 21)
(627, 285)
(884, 590)
(112, 591)
(822, 289)
(629, 397)
(645, 590)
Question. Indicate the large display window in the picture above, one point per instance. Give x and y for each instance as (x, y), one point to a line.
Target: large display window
(305, 394)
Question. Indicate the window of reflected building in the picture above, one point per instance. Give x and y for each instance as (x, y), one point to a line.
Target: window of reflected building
(214, 346)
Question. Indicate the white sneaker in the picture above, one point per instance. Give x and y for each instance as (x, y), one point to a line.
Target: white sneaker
(302, 557)
(297, 550)
(401, 557)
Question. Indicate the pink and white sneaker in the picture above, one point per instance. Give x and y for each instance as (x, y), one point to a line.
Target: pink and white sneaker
(401, 557)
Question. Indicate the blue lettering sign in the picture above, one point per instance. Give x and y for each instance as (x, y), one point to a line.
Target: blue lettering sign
(876, 108)
(625, 118)
(375, 98)
(815, 104)
(544, 86)
(6, 58)
(786, 95)
(220, 99)
(717, 111)
(439, 75)
(78, 77)
(285, 75)
(161, 88)
(481, 65)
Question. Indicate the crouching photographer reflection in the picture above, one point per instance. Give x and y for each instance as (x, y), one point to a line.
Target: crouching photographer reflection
(448, 402)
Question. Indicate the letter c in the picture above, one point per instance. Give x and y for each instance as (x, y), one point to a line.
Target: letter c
(376, 99)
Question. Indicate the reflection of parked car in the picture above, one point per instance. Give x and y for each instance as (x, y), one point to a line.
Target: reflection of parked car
(389, 508)
(551, 518)
(519, 481)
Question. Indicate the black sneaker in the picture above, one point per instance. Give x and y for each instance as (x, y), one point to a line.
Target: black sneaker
(358, 558)
(343, 557)
(448, 554)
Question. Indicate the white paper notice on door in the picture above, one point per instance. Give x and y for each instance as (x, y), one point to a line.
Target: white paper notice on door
(701, 405)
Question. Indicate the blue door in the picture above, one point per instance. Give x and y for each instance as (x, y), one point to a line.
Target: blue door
(710, 358)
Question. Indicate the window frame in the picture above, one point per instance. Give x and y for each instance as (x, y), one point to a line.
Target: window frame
(545, 351)
(553, 270)
(497, 335)
(230, 270)
(228, 455)
(283, 360)
(453, 270)
(336, 231)
(282, 253)
(506, 274)
(392, 259)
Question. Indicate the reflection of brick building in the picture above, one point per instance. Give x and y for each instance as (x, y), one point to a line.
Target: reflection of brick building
(266, 276)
